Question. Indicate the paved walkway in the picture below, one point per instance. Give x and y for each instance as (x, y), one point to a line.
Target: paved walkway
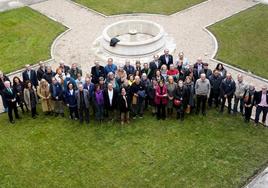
(12, 4)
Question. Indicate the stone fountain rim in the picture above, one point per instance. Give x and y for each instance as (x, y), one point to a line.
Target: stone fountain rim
(148, 41)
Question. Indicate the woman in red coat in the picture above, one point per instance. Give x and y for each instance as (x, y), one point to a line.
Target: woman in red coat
(161, 100)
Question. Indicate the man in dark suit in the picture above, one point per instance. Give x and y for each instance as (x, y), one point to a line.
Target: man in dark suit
(30, 75)
(110, 99)
(261, 102)
(154, 65)
(83, 103)
(40, 71)
(166, 58)
(97, 71)
(10, 97)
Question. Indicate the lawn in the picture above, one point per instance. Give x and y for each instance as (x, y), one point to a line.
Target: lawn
(201, 152)
(113, 7)
(25, 38)
(243, 40)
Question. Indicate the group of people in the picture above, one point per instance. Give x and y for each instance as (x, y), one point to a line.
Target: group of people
(164, 85)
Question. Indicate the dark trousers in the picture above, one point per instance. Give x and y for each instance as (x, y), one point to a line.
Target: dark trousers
(229, 99)
(248, 112)
(201, 100)
(73, 112)
(33, 110)
(161, 111)
(241, 105)
(214, 96)
(180, 112)
(99, 112)
(84, 114)
(12, 107)
(139, 107)
(259, 110)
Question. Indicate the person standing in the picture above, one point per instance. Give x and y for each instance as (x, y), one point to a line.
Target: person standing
(74, 71)
(248, 98)
(30, 98)
(166, 58)
(30, 75)
(43, 92)
(215, 82)
(18, 88)
(138, 94)
(181, 99)
(40, 71)
(57, 97)
(110, 67)
(3, 78)
(71, 102)
(110, 99)
(98, 100)
(261, 103)
(124, 106)
(97, 71)
(240, 90)
(227, 92)
(82, 97)
(171, 86)
(10, 96)
(202, 91)
(161, 100)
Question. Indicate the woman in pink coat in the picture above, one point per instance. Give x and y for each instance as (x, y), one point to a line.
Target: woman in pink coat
(161, 100)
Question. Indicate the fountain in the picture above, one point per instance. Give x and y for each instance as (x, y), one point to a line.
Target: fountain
(139, 39)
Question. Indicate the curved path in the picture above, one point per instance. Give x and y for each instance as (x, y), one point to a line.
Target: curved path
(186, 27)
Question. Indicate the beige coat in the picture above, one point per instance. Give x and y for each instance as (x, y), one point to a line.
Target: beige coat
(27, 98)
(45, 97)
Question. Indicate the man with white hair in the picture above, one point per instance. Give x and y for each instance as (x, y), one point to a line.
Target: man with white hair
(261, 103)
(227, 92)
(3, 78)
(202, 90)
(10, 96)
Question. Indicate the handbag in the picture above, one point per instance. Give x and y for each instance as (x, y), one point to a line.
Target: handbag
(177, 102)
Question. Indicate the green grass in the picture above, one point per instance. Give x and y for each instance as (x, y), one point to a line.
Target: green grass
(113, 7)
(202, 152)
(243, 40)
(25, 38)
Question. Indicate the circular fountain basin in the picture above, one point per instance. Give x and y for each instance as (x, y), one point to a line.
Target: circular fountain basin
(137, 38)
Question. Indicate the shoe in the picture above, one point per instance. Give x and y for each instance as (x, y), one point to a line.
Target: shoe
(56, 114)
(140, 117)
(34, 117)
(12, 122)
(255, 124)
(134, 117)
(62, 115)
(18, 117)
(122, 122)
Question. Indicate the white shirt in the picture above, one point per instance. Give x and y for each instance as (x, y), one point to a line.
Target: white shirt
(72, 91)
(110, 93)
(167, 58)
